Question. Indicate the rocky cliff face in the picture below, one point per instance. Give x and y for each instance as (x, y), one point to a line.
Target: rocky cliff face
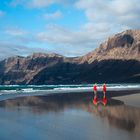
(24, 70)
(124, 46)
(116, 60)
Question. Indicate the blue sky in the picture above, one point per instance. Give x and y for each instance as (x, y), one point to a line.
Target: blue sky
(67, 27)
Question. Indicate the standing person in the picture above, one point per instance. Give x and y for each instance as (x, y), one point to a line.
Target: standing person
(104, 90)
(95, 93)
(104, 100)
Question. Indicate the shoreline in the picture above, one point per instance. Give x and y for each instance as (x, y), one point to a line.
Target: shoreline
(88, 94)
(113, 97)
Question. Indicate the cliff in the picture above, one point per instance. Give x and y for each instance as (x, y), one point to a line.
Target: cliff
(124, 46)
(115, 60)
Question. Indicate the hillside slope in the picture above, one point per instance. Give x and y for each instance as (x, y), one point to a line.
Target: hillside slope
(116, 60)
(124, 46)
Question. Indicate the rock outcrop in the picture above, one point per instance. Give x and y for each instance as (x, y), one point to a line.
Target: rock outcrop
(116, 60)
(124, 46)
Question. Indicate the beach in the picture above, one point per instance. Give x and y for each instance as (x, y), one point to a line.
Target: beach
(131, 100)
(68, 116)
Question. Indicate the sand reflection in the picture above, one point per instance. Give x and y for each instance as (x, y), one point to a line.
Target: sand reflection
(124, 117)
(116, 114)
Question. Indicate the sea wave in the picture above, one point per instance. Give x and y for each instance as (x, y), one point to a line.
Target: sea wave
(83, 87)
(12, 91)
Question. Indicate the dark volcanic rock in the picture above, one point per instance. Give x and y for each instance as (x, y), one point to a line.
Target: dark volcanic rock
(116, 60)
(38, 68)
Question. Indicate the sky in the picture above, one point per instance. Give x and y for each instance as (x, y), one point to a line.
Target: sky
(67, 27)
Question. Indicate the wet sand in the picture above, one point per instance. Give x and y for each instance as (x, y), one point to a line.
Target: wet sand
(71, 116)
(131, 100)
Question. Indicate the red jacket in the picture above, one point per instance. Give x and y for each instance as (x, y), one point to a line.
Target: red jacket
(104, 88)
(95, 88)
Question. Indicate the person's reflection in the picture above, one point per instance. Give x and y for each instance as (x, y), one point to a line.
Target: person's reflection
(117, 114)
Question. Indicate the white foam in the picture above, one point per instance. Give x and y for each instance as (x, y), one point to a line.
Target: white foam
(65, 88)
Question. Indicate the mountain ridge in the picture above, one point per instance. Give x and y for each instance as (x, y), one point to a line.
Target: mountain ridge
(119, 53)
(125, 45)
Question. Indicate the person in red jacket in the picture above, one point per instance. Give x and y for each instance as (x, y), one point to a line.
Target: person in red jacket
(104, 100)
(95, 93)
(104, 90)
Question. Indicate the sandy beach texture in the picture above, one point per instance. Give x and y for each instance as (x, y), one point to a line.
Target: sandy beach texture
(70, 116)
(131, 100)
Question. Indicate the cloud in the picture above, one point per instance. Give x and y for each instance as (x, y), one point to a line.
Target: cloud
(82, 41)
(103, 18)
(77, 51)
(2, 13)
(40, 3)
(46, 3)
(125, 7)
(15, 31)
(121, 12)
(9, 49)
(59, 35)
(53, 16)
(19, 35)
(15, 3)
(126, 12)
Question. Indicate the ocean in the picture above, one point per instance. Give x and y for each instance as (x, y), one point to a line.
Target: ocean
(12, 91)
